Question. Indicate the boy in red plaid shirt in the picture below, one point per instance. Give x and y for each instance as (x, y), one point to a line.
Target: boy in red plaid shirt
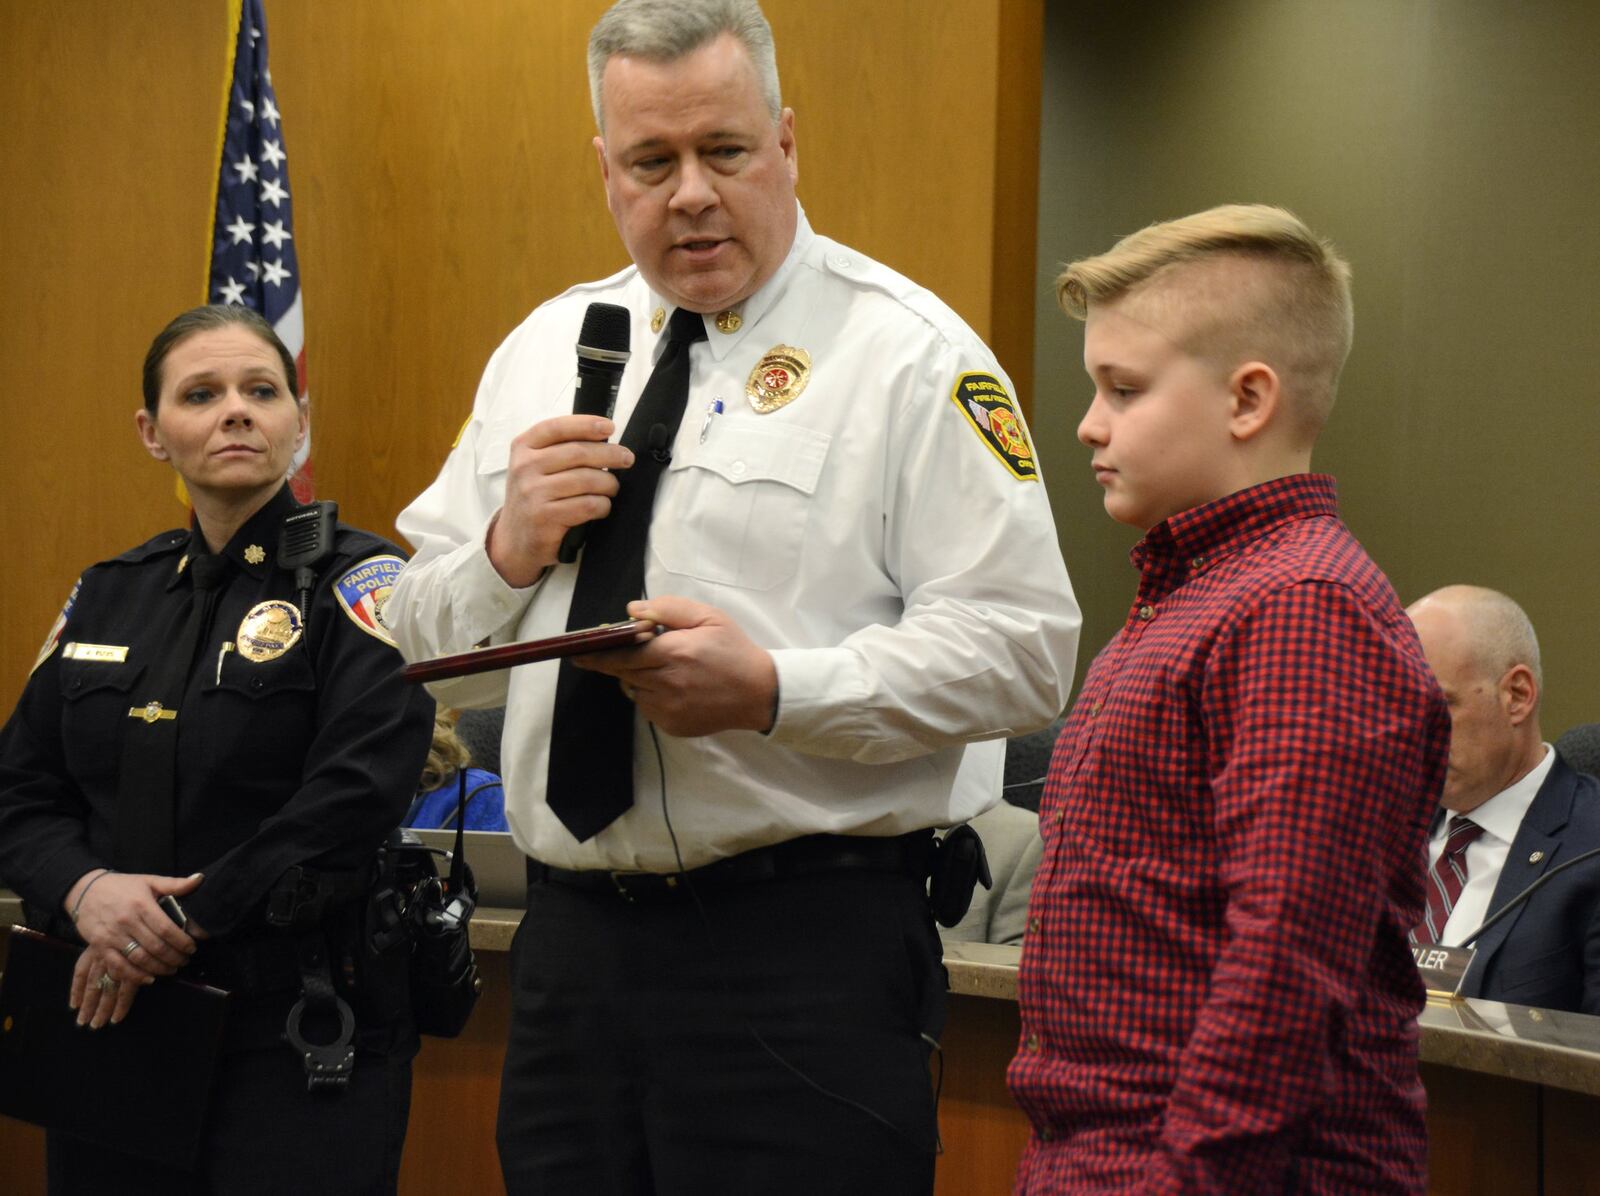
(1217, 994)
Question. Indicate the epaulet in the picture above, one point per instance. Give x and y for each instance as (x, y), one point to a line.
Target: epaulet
(622, 276)
(863, 271)
(353, 543)
(152, 549)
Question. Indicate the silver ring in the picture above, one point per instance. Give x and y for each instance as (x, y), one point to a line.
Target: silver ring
(133, 945)
(106, 983)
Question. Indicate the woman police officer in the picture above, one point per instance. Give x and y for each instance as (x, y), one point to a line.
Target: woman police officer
(204, 724)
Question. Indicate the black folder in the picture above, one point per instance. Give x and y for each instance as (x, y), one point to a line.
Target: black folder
(141, 1087)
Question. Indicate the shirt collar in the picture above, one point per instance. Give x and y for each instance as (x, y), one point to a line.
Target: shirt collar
(1502, 814)
(749, 310)
(1194, 540)
(254, 547)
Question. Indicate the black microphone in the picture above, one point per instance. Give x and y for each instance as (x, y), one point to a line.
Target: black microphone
(602, 354)
(1495, 918)
(656, 442)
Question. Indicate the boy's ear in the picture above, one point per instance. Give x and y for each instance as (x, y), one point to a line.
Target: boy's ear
(1255, 397)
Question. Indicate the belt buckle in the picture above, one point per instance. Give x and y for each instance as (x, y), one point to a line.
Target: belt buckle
(620, 879)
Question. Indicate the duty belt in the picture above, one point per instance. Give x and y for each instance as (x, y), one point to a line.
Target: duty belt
(910, 854)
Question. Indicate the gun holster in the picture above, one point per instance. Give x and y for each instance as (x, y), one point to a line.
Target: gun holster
(959, 865)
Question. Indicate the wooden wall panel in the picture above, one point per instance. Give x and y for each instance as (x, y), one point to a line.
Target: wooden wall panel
(105, 166)
(444, 185)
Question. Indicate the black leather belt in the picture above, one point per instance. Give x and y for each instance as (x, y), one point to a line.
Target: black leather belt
(910, 854)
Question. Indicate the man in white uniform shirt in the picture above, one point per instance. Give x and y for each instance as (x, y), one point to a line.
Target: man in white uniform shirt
(1511, 810)
(854, 564)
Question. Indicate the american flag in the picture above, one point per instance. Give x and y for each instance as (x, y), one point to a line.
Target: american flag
(253, 260)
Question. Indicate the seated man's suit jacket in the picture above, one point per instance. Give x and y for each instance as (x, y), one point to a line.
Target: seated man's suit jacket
(1547, 953)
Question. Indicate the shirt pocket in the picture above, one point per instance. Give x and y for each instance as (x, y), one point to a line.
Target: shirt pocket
(264, 680)
(740, 503)
(493, 455)
(96, 703)
(260, 716)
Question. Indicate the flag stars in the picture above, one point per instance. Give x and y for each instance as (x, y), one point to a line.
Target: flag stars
(272, 192)
(232, 293)
(249, 107)
(272, 152)
(269, 110)
(274, 234)
(241, 230)
(254, 268)
(248, 170)
(276, 273)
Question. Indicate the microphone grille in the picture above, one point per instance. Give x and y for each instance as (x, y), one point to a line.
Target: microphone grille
(605, 327)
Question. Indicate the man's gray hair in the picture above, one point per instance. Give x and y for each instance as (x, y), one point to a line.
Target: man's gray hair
(666, 30)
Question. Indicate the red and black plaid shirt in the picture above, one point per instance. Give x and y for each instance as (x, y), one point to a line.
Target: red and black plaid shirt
(1216, 991)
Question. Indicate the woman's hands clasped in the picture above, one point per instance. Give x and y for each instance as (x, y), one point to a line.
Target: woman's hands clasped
(130, 938)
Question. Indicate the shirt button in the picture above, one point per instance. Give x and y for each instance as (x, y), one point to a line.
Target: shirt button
(256, 683)
(1197, 562)
(1095, 709)
(1147, 612)
(737, 469)
(1061, 816)
(1033, 1042)
(1033, 925)
(1047, 1135)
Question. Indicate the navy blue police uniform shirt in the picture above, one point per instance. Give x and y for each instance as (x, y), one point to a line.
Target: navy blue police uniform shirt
(294, 747)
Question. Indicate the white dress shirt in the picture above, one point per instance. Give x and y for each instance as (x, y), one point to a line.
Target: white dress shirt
(909, 587)
(1499, 817)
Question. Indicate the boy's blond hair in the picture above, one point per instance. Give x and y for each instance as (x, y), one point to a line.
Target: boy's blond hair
(1297, 316)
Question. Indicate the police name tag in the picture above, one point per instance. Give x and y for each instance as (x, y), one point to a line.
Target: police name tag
(1442, 968)
(105, 653)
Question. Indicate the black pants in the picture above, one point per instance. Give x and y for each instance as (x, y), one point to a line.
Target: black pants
(781, 1052)
(266, 1134)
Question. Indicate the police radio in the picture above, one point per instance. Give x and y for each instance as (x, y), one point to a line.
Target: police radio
(304, 539)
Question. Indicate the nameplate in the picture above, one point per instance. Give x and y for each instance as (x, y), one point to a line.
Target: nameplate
(107, 653)
(1442, 967)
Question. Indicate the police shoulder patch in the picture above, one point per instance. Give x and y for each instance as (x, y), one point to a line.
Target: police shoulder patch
(53, 640)
(364, 588)
(993, 414)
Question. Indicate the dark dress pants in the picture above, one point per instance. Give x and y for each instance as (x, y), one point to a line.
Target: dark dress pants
(773, 1044)
(266, 1135)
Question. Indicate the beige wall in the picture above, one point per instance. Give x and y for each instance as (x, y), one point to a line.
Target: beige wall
(1452, 149)
(444, 185)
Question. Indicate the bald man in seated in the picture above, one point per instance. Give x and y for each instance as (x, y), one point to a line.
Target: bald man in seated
(1511, 811)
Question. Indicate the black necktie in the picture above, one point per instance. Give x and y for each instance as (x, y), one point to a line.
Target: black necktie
(590, 782)
(147, 801)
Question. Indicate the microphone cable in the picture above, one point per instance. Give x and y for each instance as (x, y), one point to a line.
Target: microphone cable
(720, 962)
(1495, 918)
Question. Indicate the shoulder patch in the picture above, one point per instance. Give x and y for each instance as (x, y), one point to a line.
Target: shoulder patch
(982, 398)
(364, 588)
(52, 640)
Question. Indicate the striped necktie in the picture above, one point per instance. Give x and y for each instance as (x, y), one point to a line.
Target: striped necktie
(1446, 879)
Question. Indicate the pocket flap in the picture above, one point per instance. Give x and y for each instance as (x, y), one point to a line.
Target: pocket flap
(80, 678)
(494, 446)
(744, 450)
